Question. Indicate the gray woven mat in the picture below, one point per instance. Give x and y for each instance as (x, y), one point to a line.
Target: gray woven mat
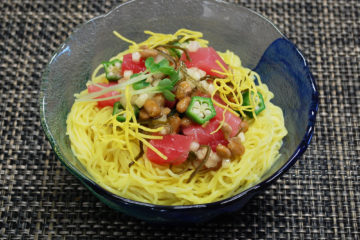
(319, 198)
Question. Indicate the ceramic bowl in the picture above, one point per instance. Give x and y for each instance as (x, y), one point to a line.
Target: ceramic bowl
(255, 39)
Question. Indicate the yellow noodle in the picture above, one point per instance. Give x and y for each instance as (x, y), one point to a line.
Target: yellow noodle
(106, 147)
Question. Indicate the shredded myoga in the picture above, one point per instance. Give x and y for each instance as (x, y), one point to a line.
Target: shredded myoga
(171, 121)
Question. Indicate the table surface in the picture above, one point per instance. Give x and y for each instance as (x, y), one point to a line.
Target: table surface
(318, 198)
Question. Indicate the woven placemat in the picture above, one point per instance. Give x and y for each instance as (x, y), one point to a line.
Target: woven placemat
(319, 198)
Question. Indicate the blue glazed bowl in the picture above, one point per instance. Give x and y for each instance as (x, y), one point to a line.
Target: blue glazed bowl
(256, 40)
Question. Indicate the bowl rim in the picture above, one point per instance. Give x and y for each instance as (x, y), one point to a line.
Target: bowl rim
(93, 186)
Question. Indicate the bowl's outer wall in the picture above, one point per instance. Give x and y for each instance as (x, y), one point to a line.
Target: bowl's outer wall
(173, 216)
(226, 27)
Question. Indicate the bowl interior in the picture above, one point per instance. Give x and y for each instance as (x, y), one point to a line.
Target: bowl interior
(226, 27)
